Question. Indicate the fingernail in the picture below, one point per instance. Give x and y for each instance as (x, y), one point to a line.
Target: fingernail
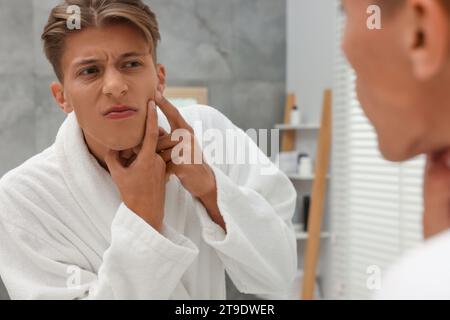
(151, 104)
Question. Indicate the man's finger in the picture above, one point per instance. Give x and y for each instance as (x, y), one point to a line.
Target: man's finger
(151, 130)
(166, 155)
(174, 116)
(171, 169)
(165, 142)
(162, 132)
(138, 148)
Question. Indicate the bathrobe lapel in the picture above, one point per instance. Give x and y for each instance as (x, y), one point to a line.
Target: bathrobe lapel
(93, 187)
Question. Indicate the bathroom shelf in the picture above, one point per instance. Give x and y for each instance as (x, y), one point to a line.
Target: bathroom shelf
(297, 127)
(319, 134)
(294, 176)
(303, 235)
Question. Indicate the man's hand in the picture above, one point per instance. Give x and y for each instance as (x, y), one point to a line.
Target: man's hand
(189, 166)
(141, 182)
(437, 194)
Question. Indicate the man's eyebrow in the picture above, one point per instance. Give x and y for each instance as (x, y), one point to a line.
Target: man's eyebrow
(79, 63)
(133, 54)
(86, 61)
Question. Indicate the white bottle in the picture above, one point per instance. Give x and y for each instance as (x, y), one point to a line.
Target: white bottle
(295, 116)
(305, 167)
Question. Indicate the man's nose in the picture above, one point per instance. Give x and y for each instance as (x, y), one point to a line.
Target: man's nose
(114, 84)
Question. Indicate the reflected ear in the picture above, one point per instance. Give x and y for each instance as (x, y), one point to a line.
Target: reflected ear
(161, 73)
(57, 91)
(429, 36)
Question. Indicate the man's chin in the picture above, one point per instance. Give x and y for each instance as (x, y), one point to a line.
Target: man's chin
(129, 139)
(395, 152)
(126, 145)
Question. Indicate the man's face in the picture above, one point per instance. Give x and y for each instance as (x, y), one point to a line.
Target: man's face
(391, 95)
(121, 71)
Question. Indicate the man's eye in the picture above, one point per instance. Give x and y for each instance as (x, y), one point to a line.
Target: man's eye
(89, 71)
(132, 64)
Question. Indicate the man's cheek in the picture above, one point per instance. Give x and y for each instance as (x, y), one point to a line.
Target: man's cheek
(350, 49)
(152, 92)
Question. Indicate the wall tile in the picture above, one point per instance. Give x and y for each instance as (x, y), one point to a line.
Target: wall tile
(17, 142)
(16, 94)
(259, 40)
(15, 37)
(41, 11)
(257, 104)
(198, 45)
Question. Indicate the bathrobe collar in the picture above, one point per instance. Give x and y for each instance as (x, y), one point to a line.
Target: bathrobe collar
(92, 186)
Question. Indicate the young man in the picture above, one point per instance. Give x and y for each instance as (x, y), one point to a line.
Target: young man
(108, 211)
(403, 72)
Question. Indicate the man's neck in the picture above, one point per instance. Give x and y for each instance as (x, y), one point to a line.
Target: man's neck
(97, 150)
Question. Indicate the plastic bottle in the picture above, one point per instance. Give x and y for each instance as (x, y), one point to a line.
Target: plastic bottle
(295, 116)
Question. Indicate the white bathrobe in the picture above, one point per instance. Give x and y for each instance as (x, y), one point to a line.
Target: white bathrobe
(421, 273)
(66, 234)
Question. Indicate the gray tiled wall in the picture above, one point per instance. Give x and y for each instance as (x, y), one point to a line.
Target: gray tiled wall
(237, 48)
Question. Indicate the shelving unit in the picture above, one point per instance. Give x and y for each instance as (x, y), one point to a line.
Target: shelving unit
(303, 186)
(314, 140)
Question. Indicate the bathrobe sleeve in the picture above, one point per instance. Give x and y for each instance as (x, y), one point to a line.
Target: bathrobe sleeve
(257, 202)
(140, 263)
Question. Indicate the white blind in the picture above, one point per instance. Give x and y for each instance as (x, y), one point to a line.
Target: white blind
(376, 206)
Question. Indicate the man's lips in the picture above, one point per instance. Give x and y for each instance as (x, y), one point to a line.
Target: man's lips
(120, 112)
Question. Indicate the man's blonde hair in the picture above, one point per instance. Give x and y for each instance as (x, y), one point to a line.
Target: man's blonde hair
(96, 13)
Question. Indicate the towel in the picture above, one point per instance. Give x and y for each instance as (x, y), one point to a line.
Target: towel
(66, 234)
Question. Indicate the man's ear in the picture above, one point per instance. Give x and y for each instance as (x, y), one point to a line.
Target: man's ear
(57, 90)
(429, 36)
(161, 73)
